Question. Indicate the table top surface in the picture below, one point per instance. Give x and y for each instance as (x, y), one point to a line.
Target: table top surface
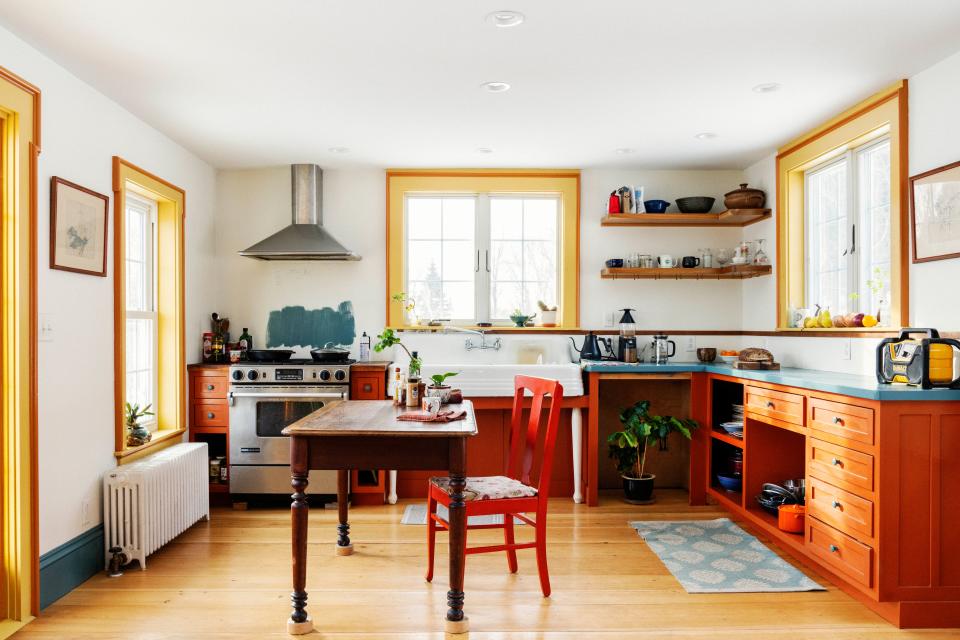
(379, 417)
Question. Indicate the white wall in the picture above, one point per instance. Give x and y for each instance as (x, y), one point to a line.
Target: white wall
(82, 130)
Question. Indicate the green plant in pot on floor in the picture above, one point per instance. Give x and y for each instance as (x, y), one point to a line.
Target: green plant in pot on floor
(628, 448)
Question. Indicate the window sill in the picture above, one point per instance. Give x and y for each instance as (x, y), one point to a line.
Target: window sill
(494, 329)
(161, 439)
(841, 332)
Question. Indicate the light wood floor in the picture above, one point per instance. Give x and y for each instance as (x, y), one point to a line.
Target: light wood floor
(229, 578)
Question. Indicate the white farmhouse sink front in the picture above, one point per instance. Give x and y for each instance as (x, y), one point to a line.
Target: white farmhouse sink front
(496, 380)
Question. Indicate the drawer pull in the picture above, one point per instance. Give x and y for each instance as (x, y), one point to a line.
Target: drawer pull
(769, 405)
(210, 415)
(834, 548)
(836, 462)
(209, 387)
(837, 420)
(836, 504)
(368, 387)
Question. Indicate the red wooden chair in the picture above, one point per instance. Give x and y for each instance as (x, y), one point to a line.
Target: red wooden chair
(515, 493)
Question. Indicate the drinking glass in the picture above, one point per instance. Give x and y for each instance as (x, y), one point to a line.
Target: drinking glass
(723, 256)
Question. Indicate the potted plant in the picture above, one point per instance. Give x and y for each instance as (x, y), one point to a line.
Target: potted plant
(438, 389)
(137, 434)
(628, 448)
(389, 338)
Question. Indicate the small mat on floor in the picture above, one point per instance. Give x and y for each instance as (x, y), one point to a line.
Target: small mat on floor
(417, 514)
(717, 556)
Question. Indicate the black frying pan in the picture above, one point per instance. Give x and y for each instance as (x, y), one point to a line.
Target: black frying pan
(269, 355)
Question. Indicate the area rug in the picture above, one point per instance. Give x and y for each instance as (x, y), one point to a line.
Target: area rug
(717, 556)
(417, 514)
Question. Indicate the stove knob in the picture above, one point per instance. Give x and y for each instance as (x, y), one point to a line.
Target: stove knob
(237, 375)
(324, 375)
(340, 375)
(252, 375)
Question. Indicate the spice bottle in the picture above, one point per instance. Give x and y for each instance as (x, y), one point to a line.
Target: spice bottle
(208, 346)
(413, 392)
(397, 386)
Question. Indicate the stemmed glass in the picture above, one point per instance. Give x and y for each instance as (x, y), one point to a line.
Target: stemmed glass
(723, 256)
(760, 257)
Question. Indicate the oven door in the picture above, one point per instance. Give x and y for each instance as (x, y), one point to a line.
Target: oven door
(259, 414)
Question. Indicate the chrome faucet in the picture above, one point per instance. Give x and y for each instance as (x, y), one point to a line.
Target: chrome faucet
(469, 344)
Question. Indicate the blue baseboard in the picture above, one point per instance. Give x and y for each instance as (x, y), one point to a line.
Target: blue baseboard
(68, 566)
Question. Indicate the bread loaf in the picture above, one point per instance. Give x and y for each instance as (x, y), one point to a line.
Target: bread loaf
(754, 354)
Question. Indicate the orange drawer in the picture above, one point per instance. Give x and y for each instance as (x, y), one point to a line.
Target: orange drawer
(840, 552)
(841, 509)
(842, 467)
(211, 414)
(846, 421)
(210, 387)
(787, 407)
(366, 386)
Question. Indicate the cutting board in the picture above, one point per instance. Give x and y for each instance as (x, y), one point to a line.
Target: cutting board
(763, 366)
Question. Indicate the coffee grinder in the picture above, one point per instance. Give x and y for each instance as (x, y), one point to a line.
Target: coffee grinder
(627, 346)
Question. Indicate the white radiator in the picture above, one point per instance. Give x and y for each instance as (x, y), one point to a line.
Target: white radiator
(149, 502)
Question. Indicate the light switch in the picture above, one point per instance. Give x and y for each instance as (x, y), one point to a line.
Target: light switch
(845, 349)
(691, 343)
(45, 321)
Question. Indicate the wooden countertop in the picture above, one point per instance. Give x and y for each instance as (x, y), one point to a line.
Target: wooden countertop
(373, 365)
(378, 417)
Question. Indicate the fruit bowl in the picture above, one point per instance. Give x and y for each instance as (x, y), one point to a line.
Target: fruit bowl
(729, 359)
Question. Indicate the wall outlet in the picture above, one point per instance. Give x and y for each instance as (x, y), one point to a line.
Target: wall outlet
(85, 515)
(691, 343)
(845, 349)
(46, 328)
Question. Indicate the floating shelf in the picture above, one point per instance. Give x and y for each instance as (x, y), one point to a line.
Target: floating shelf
(728, 218)
(730, 272)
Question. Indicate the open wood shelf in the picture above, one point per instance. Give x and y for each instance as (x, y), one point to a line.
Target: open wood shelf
(728, 218)
(730, 272)
(723, 436)
(730, 499)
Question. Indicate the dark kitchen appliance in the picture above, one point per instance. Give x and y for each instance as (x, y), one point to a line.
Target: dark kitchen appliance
(330, 353)
(925, 362)
(627, 345)
(590, 349)
(269, 355)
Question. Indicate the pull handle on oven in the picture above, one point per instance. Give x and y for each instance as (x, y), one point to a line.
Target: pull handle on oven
(283, 395)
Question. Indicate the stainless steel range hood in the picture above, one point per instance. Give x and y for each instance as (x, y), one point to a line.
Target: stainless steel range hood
(305, 239)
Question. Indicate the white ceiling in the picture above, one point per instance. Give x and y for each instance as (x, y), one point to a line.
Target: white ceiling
(247, 83)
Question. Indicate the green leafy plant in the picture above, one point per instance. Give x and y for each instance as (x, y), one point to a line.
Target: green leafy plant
(389, 338)
(133, 413)
(440, 378)
(628, 448)
(407, 302)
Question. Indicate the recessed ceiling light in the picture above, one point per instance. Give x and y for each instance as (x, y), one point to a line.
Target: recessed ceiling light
(484, 150)
(495, 87)
(338, 150)
(767, 87)
(706, 135)
(625, 151)
(505, 19)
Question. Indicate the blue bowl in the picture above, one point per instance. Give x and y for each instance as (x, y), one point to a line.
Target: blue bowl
(614, 263)
(730, 483)
(655, 206)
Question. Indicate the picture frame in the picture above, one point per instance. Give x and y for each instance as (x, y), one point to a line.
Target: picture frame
(935, 214)
(79, 220)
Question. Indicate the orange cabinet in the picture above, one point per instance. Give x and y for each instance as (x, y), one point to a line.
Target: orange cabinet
(844, 422)
(844, 511)
(209, 415)
(841, 466)
(841, 553)
(786, 407)
(368, 382)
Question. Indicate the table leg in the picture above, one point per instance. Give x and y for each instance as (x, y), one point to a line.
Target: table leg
(299, 622)
(344, 546)
(456, 621)
(392, 496)
(576, 438)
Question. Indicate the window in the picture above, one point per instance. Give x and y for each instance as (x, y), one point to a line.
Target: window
(479, 257)
(847, 224)
(841, 216)
(141, 301)
(474, 246)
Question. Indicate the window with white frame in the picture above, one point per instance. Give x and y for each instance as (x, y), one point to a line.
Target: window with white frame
(141, 303)
(479, 257)
(847, 228)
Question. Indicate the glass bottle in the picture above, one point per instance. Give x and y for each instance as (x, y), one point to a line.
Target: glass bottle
(246, 343)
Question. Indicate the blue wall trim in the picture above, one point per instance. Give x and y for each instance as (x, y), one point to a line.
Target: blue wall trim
(68, 566)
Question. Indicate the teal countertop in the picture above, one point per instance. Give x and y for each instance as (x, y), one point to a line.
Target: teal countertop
(841, 383)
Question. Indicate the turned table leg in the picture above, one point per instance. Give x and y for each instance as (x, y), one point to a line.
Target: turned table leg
(576, 439)
(456, 621)
(344, 546)
(299, 622)
(392, 496)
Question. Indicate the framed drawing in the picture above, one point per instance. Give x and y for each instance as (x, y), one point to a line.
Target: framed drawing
(935, 213)
(78, 228)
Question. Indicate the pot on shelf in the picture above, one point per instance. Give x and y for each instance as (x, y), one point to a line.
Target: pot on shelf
(745, 198)
(638, 490)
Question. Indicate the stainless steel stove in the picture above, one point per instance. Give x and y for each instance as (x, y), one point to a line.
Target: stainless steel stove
(266, 397)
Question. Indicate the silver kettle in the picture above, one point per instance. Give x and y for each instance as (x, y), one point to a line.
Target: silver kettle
(660, 352)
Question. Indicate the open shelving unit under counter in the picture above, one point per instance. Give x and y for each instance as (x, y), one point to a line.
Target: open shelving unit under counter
(728, 218)
(729, 272)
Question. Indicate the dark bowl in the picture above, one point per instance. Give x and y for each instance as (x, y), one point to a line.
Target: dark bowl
(730, 482)
(614, 263)
(706, 354)
(656, 206)
(695, 204)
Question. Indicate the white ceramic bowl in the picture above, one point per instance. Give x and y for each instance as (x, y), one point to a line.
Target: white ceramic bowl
(729, 359)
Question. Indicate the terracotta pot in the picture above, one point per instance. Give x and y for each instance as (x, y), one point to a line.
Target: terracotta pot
(744, 198)
(638, 490)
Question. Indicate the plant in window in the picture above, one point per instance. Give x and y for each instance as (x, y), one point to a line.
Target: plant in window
(389, 338)
(137, 434)
(628, 448)
(408, 303)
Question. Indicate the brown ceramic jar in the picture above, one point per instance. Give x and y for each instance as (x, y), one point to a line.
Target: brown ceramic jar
(744, 198)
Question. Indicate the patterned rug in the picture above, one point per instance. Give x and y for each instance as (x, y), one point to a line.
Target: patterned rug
(417, 514)
(717, 556)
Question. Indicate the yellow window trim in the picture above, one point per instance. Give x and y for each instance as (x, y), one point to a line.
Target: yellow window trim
(19, 546)
(171, 409)
(884, 113)
(566, 182)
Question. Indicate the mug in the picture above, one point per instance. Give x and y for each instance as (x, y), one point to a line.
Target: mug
(690, 262)
(665, 261)
(431, 404)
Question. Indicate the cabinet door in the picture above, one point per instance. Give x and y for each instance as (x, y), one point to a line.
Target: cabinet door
(366, 386)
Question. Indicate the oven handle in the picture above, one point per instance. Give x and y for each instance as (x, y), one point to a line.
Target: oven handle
(248, 394)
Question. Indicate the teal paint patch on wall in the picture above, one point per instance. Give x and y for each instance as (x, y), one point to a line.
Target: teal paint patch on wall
(68, 566)
(299, 326)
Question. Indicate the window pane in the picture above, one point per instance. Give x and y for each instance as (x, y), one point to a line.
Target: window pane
(874, 237)
(506, 260)
(828, 238)
(506, 218)
(140, 364)
(423, 218)
(135, 294)
(540, 218)
(504, 298)
(458, 218)
(458, 260)
(424, 259)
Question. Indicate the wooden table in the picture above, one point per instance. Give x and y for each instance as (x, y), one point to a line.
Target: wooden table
(366, 434)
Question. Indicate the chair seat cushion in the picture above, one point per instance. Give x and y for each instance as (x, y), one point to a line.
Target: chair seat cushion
(489, 488)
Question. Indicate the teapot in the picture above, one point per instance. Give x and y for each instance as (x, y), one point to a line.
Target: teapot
(590, 349)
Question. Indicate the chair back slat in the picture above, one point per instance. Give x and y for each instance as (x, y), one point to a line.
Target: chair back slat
(523, 441)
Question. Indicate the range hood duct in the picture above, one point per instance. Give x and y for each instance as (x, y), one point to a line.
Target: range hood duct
(305, 239)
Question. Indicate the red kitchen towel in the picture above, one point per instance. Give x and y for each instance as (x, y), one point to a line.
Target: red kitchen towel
(447, 415)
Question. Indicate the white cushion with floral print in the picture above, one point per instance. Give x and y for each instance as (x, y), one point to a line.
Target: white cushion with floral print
(489, 488)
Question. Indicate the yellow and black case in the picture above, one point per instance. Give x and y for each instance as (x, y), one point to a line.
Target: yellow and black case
(925, 362)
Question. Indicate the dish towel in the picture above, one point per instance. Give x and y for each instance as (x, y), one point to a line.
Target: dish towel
(447, 415)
